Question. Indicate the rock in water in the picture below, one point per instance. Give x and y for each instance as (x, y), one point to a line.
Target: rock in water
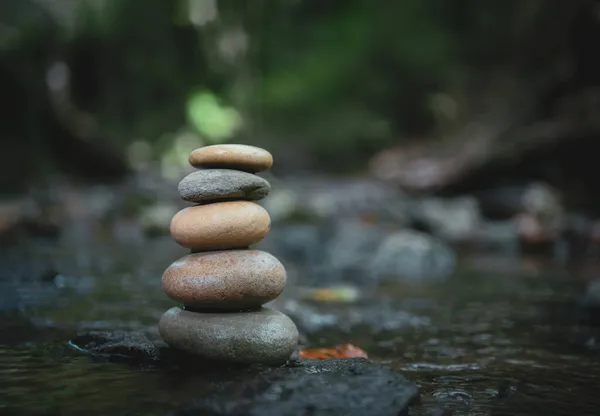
(227, 280)
(223, 289)
(264, 336)
(118, 344)
(222, 184)
(220, 226)
(337, 387)
(232, 156)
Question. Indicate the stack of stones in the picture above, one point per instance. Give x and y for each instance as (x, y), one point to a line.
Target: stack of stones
(222, 284)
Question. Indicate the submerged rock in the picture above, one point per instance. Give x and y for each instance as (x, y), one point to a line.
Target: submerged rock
(118, 344)
(311, 387)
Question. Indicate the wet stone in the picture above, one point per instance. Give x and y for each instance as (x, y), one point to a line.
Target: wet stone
(263, 336)
(349, 387)
(117, 344)
(222, 184)
(225, 280)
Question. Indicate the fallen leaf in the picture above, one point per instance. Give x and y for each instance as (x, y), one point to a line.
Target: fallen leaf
(340, 351)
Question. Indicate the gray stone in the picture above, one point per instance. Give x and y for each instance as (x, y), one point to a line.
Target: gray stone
(453, 219)
(264, 336)
(412, 255)
(348, 387)
(222, 184)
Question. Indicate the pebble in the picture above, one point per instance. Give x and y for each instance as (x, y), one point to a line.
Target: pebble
(220, 226)
(222, 184)
(265, 336)
(232, 156)
(229, 280)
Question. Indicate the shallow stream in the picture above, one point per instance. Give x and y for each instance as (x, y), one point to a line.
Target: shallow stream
(501, 337)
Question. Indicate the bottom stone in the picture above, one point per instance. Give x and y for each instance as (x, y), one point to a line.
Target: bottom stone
(265, 336)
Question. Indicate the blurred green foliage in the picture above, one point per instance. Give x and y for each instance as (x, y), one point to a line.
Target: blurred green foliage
(343, 76)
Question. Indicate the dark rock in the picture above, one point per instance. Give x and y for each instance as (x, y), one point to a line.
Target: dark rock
(311, 387)
(118, 344)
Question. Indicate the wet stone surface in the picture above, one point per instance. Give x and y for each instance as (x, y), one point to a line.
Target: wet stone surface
(302, 386)
(263, 336)
(352, 387)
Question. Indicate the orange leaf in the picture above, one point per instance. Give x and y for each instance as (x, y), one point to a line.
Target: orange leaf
(340, 351)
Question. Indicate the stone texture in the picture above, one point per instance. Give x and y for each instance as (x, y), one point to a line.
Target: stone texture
(222, 184)
(225, 280)
(264, 337)
(233, 156)
(219, 226)
(336, 387)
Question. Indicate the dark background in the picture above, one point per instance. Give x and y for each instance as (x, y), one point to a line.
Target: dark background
(95, 88)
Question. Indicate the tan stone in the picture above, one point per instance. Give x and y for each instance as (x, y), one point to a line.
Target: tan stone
(229, 280)
(232, 156)
(220, 226)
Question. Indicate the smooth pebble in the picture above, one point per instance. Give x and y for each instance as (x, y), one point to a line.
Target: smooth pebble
(265, 336)
(220, 226)
(232, 156)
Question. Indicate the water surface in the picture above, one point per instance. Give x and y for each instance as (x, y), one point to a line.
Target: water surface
(501, 337)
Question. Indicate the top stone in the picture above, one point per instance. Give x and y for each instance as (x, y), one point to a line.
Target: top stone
(232, 156)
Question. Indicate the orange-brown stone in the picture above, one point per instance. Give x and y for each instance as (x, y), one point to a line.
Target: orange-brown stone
(232, 156)
(220, 226)
(225, 280)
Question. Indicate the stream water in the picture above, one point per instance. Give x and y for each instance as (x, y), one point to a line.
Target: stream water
(500, 337)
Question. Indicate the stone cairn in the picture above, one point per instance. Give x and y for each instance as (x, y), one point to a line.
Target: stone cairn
(222, 284)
